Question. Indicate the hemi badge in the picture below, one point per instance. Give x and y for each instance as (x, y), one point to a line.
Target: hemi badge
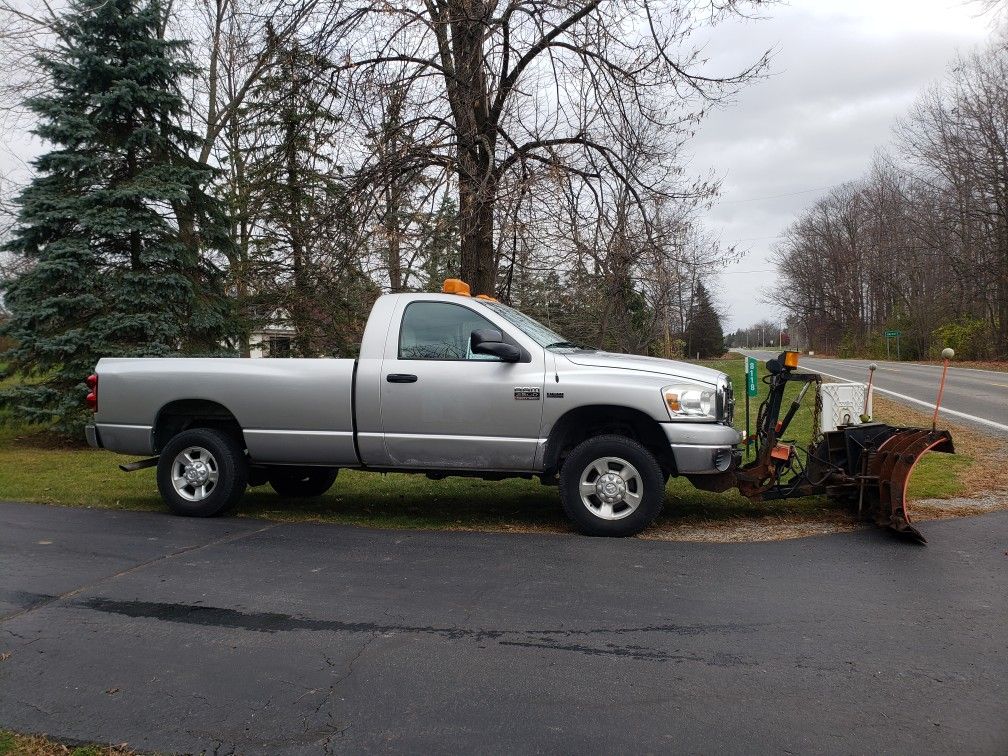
(527, 392)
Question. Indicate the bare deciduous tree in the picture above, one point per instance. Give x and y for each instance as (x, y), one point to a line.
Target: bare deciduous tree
(921, 244)
(498, 88)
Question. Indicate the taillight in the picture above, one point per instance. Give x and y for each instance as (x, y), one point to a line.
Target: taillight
(92, 397)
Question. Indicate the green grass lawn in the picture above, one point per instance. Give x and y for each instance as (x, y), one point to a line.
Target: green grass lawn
(34, 469)
(16, 744)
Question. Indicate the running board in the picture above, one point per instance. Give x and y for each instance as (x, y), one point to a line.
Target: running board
(139, 465)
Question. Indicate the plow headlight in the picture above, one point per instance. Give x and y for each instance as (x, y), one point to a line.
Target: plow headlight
(690, 400)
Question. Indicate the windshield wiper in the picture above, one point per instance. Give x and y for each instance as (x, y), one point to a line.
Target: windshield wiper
(569, 344)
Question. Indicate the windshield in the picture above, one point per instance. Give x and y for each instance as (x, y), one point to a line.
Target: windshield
(535, 330)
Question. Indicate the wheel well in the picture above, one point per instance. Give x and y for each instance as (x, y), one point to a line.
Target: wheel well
(600, 419)
(184, 414)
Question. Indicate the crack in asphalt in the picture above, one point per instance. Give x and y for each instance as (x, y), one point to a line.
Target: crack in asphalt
(636, 652)
(275, 622)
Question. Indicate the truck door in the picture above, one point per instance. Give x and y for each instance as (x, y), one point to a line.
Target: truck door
(443, 407)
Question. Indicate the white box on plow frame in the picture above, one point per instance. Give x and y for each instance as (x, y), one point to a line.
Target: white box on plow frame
(843, 404)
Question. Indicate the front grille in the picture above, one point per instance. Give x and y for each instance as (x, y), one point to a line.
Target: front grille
(726, 401)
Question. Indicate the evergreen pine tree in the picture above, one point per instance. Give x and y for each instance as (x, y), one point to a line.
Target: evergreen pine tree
(439, 243)
(704, 334)
(303, 216)
(116, 225)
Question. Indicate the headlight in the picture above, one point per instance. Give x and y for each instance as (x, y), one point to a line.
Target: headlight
(690, 400)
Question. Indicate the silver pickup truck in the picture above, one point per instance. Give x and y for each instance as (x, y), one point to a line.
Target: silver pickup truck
(446, 384)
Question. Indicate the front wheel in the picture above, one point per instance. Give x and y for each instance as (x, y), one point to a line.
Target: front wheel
(302, 482)
(611, 486)
(202, 472)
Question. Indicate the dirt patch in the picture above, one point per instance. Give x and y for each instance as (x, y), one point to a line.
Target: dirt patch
(730, 530)
(508, 527)
(45, 440)
(752, 529)
(941, 509)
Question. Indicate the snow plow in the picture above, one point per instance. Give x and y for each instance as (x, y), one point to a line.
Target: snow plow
(866, 465)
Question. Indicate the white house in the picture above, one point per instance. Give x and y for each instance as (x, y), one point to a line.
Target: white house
(274, 338)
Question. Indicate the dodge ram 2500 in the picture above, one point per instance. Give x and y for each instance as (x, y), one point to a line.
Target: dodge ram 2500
(445, 384)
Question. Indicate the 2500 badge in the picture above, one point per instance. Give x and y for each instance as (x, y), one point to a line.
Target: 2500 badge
(528, 392)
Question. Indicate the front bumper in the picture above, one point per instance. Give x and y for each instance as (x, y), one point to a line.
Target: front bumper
(702, 448)
(91, 433)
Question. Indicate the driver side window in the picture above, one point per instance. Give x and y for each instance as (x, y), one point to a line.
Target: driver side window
(440, 331)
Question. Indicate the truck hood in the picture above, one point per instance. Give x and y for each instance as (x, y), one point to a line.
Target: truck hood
(645, 364)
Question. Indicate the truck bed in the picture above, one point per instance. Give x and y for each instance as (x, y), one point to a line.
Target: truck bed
(290, 410)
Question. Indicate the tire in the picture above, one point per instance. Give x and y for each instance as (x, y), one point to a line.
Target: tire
(621, 504)
(217, 469)
(302, 482)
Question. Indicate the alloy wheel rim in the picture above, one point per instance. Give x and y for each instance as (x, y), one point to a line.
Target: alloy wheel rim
(611, 488)
(195, 473)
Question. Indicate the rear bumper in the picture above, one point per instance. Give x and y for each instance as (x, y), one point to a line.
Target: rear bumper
(702, 448)
(124, 439)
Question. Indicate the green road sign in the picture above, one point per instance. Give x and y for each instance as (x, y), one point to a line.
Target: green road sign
(750, 373)
(893, 334)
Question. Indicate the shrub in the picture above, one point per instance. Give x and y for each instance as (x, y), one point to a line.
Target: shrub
(969, 337)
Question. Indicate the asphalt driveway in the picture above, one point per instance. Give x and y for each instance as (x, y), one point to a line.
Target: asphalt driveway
(245, 636)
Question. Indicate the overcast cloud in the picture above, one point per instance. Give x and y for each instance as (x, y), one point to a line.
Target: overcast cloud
(843, 73)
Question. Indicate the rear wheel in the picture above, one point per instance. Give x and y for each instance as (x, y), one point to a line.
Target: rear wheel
(302, 481)
(611, 486)
(202, 472)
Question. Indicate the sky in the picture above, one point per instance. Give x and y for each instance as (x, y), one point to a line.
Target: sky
(843, 72)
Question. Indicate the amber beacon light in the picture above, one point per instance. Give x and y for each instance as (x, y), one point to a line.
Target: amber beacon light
(456, 286)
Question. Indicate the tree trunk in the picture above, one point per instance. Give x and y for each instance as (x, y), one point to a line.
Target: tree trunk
(392, 237)
(477, 136)
(476, 226)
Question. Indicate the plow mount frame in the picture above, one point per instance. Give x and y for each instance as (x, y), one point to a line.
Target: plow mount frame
(865, 465)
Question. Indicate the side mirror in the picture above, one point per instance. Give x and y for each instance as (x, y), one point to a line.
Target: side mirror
(490, 341)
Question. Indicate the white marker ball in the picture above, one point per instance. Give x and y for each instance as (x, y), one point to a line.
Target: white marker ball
(948, 353)
(873, 367)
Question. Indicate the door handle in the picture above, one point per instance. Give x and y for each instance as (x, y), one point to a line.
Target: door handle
(401, 378)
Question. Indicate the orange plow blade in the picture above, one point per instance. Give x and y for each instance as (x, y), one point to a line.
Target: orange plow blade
(884, 488)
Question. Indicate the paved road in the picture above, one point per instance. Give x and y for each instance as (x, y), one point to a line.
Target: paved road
(972, 397)
(256, 637)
